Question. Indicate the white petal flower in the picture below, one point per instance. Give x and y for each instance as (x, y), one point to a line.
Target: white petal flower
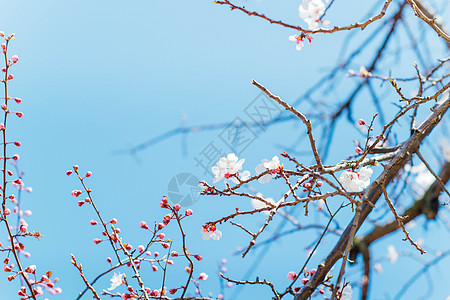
(298, 40)
(245, 175)
(259, 204)
(423, 177)
(347, 292)
(392, 254)
(116, 280)
(354, 181)
(227, 166)
(299, 46)
(311, 11)
(273, 165)
(211, 232)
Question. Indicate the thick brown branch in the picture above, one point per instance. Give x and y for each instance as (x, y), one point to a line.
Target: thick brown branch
(373, 192)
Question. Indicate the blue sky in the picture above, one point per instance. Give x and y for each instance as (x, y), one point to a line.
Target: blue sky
(97, 77)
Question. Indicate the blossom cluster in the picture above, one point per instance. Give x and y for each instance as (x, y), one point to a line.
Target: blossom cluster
(354, 181)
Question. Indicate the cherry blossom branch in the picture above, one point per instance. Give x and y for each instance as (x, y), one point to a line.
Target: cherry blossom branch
(135, 270)
(419, 207)
(5, 157)
(299, 28)
(347, 249)
(191, 264)
(300, 116)
(97, 278)
(373, 192)
(257, 281)
(332, 215)
(80, 269)
(91, 201)
(430, 20)
(269, 218)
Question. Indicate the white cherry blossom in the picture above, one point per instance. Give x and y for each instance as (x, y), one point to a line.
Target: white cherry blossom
(347, 292)
(423, 177)
(245, 175)
(116, 280)
(392, 254)
(311, 11)
(273, 165)
(226, 167)
(211, 232)
(354, 181)
(298, 40)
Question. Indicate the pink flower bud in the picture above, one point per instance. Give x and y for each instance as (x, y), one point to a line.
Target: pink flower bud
(141, 248)
(14, 59)
(6, 269)
(93, 222)
(198, 257)
(76, 193)
(143, 225)
(16, 156)
(154, 268)
(23, 228)
(312, 272)
(305, 280)
(10, 77)
(203, 276)
(2, 126)
(177, 207)
(69, 172)
(161, 235)
(108, 259)
(361, 122)
(174, 253)
(97, 241)
(113, 221)
(189, 212)
(165, 245)
(160, 226)
(19, 114)
(18, 144)
(31, 269)
(292, 275)
(18, 100)
(88, 174)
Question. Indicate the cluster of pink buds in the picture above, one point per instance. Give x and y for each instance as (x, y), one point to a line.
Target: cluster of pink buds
(311, 184)
(294, 276)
